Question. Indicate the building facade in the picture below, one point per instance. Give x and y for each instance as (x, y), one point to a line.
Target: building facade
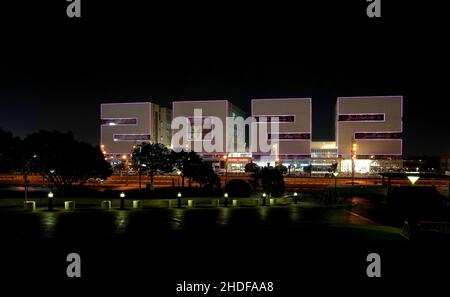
(124, 125)
(292, 142)
(203, 131)
(369, 133)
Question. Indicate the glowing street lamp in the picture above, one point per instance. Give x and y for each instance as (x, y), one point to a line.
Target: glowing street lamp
(179, 199)
(264, 195)
(225, 158)
(335, 174)
(225, 200)
(413, 178)
(354, 149)
(122, 200)
(50, 200)
(178, 178)
(125, 159)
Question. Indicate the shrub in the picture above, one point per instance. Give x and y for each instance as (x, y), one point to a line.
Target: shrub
(238, 188)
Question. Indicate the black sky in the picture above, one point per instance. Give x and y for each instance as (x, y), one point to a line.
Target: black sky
(55, 75)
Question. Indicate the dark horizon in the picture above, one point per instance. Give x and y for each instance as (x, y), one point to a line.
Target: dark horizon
(60, 82)
(65, 93)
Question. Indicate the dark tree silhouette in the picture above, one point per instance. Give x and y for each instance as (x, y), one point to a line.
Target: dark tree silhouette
(271, 180)
(153, 158)
(11, 152)
(205, 176)
(195, 169)
(238, 188)
(178, 160)
(251, 167)
(63, 160)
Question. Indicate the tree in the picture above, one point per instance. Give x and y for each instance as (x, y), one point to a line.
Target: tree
(154, 158)
(271, 180)
(178, 160)
(195, 169)
(205, 176)
(251, 167)
(191, 166)
(238, 188)
(63, 160)
(283, 169)
(11, 152)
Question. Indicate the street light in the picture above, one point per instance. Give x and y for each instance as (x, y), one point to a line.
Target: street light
(178, 178)
(335, 174)
(225, 158)
(264, 195)
(50, 201)
(354, 149)
(179, 199)
(122, 200)
(413, 178)
(125, 160)
(140, 174)
(225, 199)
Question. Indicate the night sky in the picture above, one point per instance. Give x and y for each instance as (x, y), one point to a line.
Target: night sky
(55, 74)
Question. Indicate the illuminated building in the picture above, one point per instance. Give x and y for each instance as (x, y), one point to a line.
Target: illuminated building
(293, 138)
(369, 133)
(124, 125)
(196, 138)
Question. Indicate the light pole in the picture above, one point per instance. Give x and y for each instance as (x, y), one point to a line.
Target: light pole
(264, 195)
(125, 160)
(122, 200)
(179, 199)
(354, 148)
(50, 200)
(335, 174)
(178, 179)
(225, 157)
(225, 199)
(140, 174)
